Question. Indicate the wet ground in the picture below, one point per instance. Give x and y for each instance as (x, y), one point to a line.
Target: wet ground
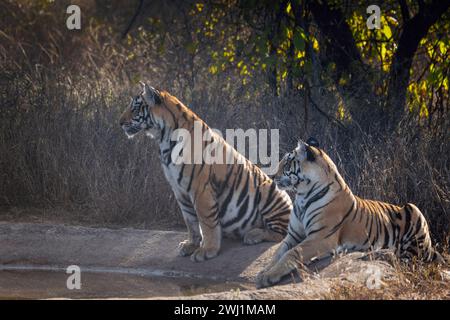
(39, 284)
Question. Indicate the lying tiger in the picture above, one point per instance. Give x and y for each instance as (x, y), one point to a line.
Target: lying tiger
(233, 197)
(327, 217)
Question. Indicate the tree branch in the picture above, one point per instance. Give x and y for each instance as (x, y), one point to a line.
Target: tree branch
(413, 31)
(341, 42)
(133, 19)
(340, 48)
(326, 115)
(405, 10)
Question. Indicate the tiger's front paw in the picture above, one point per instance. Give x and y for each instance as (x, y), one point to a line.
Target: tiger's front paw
(267, 278)
(274, 272)
(186, 248)
(202, 254)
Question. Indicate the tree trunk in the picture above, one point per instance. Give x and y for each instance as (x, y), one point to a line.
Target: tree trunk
(414, 30)
(274, 21)
(341, 49)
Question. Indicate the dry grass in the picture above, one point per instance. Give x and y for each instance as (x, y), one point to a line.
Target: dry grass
(413, 282)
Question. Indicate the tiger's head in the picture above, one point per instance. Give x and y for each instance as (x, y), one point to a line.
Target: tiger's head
(140, 114)
(302, 167)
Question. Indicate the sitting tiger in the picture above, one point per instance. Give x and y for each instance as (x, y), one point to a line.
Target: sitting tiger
(328, 218)
(233, 197)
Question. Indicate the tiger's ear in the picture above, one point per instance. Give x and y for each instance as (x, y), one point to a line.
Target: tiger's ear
(305, 151)
(313, 142)
(310, 155)
(150, 95)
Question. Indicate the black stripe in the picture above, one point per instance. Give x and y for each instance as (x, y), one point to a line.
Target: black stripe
(180, 174)
(336, 227)
(361, 212)
(386, 235)
(295, 235)
(250, 219)
(377, 233)
(280, 214)
(412, 230)
(244, 190)
(192, 175)
(356, 212)
(311, 216)
(254, 218)
(369, 234)
(213, 211)
(239, 216)
(368, 215)
(296, 210)
(226, 202)
(229, 197)
(366, 241)
(270, 196)
(311, 190)
(314, 231)
(278, 204)
(163, 133)
(407, 220)
(316, 197)
(256, 199)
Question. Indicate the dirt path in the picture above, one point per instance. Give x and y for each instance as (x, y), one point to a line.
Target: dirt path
(144, 264)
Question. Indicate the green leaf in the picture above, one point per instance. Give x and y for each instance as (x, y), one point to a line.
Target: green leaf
(442, 47)
(387, 31)
(383, 51)
(435, 76)
(299, 42)
(289, 8)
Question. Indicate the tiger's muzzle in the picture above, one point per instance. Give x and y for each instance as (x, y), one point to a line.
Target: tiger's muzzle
(130, 129)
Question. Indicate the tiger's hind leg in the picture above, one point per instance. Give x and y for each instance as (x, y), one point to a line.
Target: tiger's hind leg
(417, 240)
(276, 233)
(258, 235)
(273, 232)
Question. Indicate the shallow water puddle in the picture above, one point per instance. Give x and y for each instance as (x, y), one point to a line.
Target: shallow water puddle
(44, 284)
